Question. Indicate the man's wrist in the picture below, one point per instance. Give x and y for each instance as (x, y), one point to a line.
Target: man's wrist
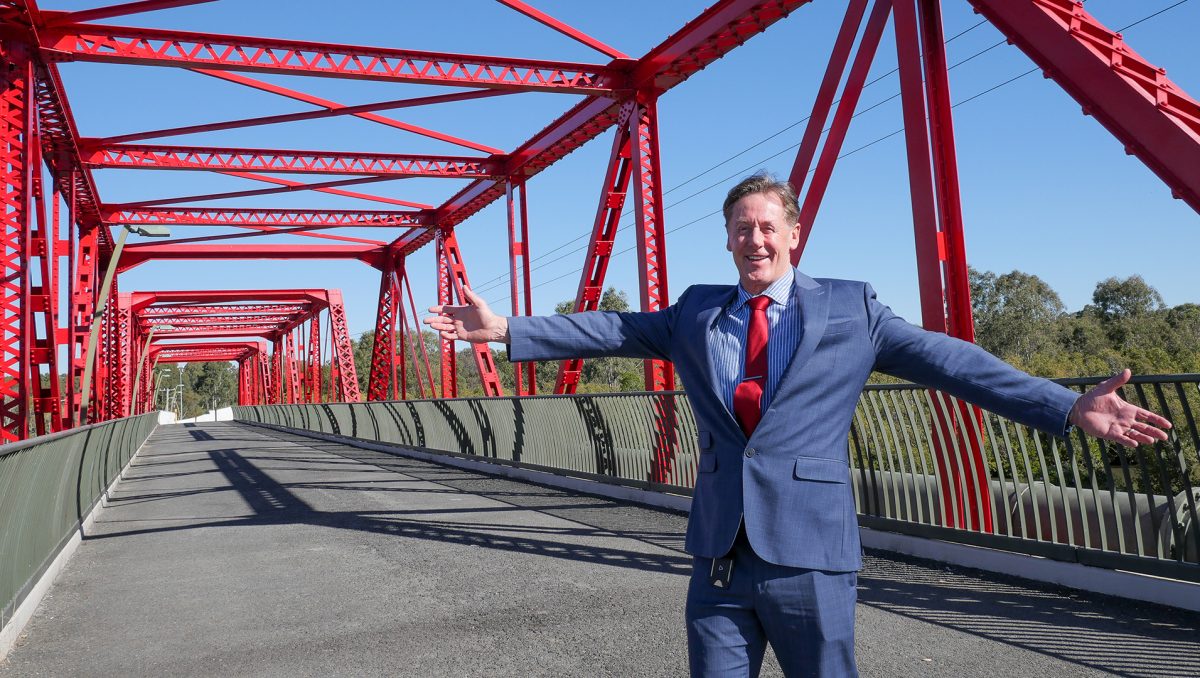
(502, 335)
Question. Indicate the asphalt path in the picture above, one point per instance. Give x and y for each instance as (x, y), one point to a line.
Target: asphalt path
(232, 550)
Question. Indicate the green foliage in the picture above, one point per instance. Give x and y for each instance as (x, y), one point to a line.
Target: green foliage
(1021, 319)
(206, 386)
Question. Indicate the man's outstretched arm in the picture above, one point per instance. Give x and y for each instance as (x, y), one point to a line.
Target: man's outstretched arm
(577, 335)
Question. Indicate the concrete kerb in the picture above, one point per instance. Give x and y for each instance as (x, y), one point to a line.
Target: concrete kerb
(24, 612)
(1116, 583)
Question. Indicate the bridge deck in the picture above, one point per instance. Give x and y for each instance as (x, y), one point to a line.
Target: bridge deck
(233, 550)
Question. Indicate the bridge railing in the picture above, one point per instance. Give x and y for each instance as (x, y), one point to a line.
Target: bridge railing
(1076, 499)
(48, 486)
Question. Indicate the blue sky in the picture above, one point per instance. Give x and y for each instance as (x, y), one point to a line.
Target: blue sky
(1045, 189)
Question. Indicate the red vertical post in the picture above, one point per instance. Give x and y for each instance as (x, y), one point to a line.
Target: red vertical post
(646, 183)
(16, 115)
(125, 360)
(342, 348)
(445, 291)
(941, 255)
(651, 235)
(604, 233)
(293, 372)
(314, 359)
(383, 352)
(524, 374)
(484, 362)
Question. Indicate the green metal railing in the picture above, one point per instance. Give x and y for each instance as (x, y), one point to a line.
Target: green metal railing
(1076, 499)
(48, 486)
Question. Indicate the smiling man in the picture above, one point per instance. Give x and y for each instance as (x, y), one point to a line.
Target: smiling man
(774, 366)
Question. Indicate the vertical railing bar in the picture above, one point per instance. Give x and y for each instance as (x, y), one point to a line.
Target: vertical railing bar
(859, 430)
(932, 431)
(1160, 463)
(994, 444)
(1029, 482)
(1062, 488)
(1147, 478)
(898, 432)
(982, 486)
(896, 477)
(1187, 480)
(912, 441)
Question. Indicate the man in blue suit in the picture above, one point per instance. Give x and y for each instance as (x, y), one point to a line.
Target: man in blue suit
(773, 367)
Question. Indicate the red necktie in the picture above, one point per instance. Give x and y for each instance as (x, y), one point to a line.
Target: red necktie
(747, 398)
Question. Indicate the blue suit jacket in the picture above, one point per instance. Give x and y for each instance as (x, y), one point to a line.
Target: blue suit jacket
(790, 480)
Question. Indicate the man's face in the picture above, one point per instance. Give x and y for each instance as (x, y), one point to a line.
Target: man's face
(761, 240)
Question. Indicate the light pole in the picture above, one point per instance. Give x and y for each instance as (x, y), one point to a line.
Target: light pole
(85, 386)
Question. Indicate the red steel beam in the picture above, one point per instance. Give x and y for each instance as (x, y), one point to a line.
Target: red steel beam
(288, 187)
(188, 49)
(1132, 98)
(318, 101)
(278, 181)
(267, 160)
(123, 9)
(135, 255)
(242, 217)
(176, 311)
(567, 30)
(326, 111)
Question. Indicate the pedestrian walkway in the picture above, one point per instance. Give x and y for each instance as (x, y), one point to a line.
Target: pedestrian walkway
(232, 550)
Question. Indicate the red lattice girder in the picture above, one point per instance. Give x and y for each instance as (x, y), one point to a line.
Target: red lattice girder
(83, 274)
(205, 216)
(139, 254)
(1155, 119)
(445, 295)
(600, 245)
(267, 160)
(343, 348)
(145, 46)
(383, 352)
(155, 312)
(456, 272)
(646, 186)
(16, 111)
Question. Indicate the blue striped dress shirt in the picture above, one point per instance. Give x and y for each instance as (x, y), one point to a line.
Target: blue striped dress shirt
(727, 339)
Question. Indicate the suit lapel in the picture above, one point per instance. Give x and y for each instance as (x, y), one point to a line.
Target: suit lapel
(706, 318)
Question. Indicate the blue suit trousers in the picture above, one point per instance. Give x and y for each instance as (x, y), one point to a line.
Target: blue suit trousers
(806, 615)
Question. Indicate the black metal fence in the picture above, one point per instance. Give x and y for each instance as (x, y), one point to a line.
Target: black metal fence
(1077, 499)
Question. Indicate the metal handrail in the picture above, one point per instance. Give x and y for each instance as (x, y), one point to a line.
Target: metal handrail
(1078, 499)
(48, 486)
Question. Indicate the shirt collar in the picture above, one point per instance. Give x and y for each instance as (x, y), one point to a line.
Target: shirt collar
(779, 291)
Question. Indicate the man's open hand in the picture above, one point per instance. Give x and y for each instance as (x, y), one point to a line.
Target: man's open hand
(1102, 413)
(473, 322)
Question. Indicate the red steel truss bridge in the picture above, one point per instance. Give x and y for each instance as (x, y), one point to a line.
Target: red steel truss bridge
(60, 236)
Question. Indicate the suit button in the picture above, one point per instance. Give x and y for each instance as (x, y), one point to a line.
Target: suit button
(749, 452)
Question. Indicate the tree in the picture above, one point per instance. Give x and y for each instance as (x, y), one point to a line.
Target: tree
(1016, 314)
(601, 374)
(210, 385)
(1118, 299)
